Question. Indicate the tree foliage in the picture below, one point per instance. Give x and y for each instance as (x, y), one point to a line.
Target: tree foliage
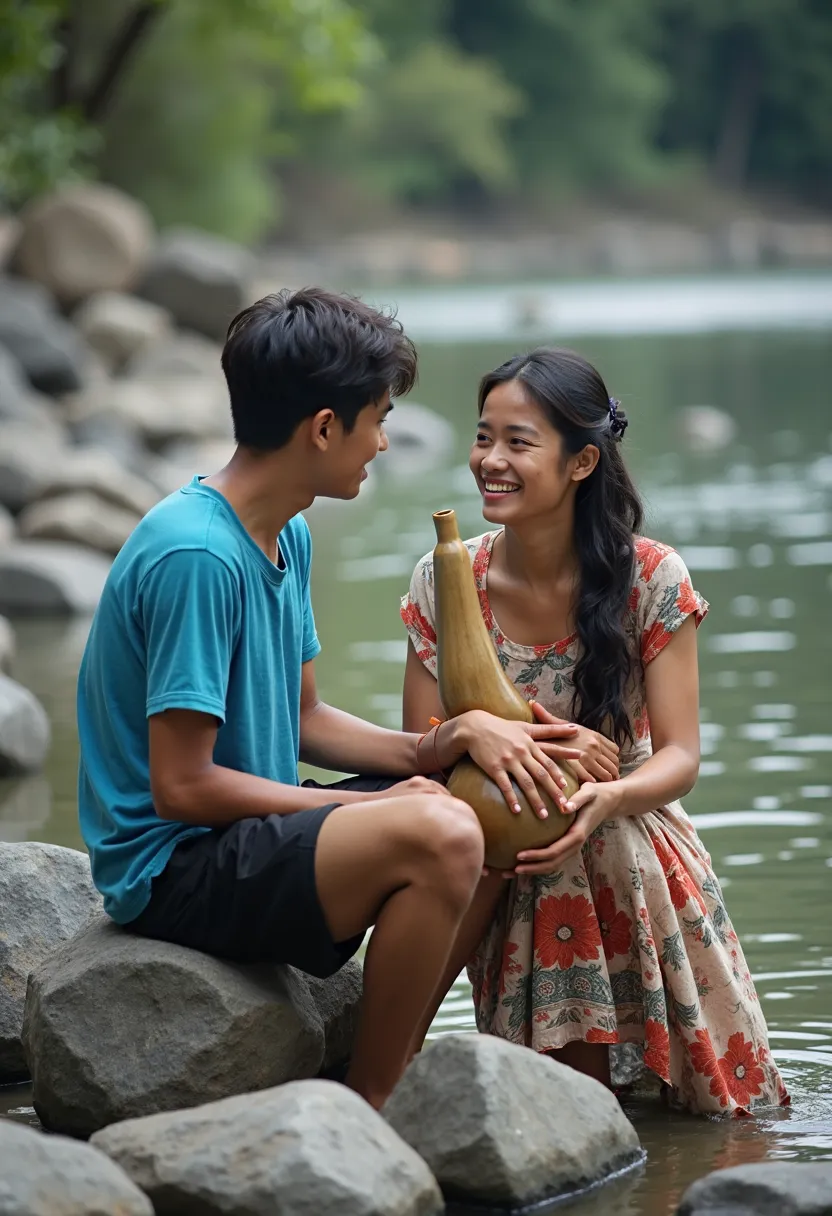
(197, 106)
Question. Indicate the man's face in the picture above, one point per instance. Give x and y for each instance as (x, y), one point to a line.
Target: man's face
(345, 462)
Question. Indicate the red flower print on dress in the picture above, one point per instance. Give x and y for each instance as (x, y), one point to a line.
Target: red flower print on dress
(509, 966)
(741, 1071)
(615, 925)
(649, 556)
(704, 1060)
(657, 1048)
(595, 1035)
(414, 618)
(681, 889)
(565, 928)
(642, 723)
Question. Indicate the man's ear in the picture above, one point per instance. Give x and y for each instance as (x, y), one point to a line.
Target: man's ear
(321, 425)
(585, 462)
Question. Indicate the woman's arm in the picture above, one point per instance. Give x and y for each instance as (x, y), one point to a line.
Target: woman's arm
(672, 688)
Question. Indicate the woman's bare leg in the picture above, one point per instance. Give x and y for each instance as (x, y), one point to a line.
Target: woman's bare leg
(592, 1059)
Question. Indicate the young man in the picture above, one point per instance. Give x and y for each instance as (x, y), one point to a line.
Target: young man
(197, 698)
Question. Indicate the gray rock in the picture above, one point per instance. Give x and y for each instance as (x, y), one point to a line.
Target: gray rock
(48, 578)
(29, 457)
(24, 730)
(83, 239)
(47, 896)
(311, 1148)
(80, 518)
(118, 327)
(53, 1176)
(96, 471)
(117, 1026)
(159, 410)
(45, 345)
(14, 389)
(202, 280)
(338, 1000)
(506, 1125)
(182, 354)
(7, 527)
(8, 646)
(419, 439)
(25, 806)
(706, 429)
(777, 1188)
(109, 433)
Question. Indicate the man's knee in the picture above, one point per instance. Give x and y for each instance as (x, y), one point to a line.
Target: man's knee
(449, 839)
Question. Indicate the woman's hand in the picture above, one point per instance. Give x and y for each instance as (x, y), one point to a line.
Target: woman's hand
(598, 760)
(595, 803)
(514, 750)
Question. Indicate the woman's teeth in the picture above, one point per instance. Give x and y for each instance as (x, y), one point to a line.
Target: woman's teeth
(500, 487)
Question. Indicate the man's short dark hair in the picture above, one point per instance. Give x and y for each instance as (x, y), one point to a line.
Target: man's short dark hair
(297, 352)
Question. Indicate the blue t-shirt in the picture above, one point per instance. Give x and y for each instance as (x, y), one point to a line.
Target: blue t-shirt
(193, 616)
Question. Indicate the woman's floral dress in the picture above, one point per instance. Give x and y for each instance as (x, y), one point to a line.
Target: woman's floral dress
(630, 942)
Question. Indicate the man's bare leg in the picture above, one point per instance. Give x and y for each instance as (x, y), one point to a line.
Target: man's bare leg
(472, 930)
(410, 866)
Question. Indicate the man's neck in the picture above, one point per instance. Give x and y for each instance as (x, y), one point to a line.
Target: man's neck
(265, 491)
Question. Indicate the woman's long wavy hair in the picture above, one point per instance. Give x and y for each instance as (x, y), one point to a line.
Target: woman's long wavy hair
(608, 511)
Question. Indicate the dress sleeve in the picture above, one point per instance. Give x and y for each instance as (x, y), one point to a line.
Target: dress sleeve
(666, 598)
(417, 612)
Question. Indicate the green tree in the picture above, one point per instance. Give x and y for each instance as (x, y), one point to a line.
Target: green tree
(180, 101)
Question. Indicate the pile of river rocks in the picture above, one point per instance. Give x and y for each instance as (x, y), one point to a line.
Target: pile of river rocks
(111, 397)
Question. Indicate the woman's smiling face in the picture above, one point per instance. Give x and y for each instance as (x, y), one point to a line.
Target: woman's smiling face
(517, 458)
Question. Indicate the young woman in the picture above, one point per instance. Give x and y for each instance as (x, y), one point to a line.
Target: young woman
(617, 933)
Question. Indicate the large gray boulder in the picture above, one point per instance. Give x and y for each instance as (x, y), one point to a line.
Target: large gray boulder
(47, 896)
(118, 326)
(201, 279)
(48, 578)
(80, 518)
(311, 1147)
(338, 1000)
(83, 239)
(159, 410)
(53, 1176)
(119, 1026)
(777, 1188)
(500, 1124)
(24, 730)
(46, 346)
(15, 390)
(7, 527)
(30, 455)
(180, 354)
(92, 470)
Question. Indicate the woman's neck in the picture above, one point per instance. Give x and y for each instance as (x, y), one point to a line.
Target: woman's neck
(542, 554)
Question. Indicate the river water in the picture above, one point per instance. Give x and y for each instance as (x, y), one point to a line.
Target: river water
(753, 519)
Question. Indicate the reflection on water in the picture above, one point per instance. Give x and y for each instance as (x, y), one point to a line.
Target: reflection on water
(754, 523)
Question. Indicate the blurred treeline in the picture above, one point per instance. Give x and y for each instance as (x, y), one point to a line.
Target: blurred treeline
(215, 111)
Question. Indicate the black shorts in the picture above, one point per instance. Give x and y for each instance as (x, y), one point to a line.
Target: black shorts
(247, 892)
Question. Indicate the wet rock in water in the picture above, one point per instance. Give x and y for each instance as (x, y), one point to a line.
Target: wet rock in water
(46, 346)
(307, 1147)
(53, 1176)
(119, 1026)
(8, 646)
(777, 1188)
(338, 1000)
(84, 239)
(706, 429)
(80, 518)
(24, 730)
(47, 896)
(118, 326)
(25, 806)
(419, 439)
(201, 279)
(506, 1125)
(48, 578)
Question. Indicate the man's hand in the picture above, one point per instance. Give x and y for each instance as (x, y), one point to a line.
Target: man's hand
(515, 750)
(598, 760)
